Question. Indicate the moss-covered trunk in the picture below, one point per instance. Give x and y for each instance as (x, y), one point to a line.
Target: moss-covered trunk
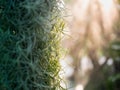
(30, 33)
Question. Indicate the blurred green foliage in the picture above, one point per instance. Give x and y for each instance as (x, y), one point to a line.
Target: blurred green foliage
(113, 82)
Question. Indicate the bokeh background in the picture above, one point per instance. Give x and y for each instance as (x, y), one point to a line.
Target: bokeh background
(91, 41)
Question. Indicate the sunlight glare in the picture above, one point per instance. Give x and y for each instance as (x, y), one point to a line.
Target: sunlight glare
(79, 87)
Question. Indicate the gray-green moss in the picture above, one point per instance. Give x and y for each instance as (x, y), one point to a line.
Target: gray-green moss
(30, 34)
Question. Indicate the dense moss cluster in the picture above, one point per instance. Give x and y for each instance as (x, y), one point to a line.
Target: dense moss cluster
(30, 34)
